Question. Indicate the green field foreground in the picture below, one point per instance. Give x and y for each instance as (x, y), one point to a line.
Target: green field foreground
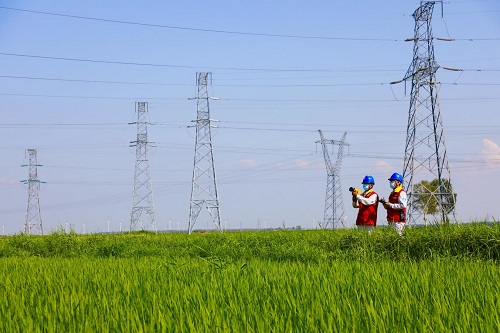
(437, 279)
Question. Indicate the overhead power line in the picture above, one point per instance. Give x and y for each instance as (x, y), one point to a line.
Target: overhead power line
(229, 32)
(194, 67)
(93, 97)
(187, 84)
(225, 85)
(91, 81)
(200, 29)
(129, 63)
(251, 99)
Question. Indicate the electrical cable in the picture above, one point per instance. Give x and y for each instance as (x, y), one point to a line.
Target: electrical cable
(195, 67)
(199, 29)
(187, 84)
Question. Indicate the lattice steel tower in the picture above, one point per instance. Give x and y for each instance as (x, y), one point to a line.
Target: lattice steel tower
(334, 205)
(425, 151)
(33, 217)
(204, 184)
(142, 197)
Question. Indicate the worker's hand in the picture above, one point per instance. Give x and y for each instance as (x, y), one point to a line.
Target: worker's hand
(355, 192)
(386, 205)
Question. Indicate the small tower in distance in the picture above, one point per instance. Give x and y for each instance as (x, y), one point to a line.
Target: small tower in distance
(33, 216)
(204, 184)
(142, 196)
(334, 204)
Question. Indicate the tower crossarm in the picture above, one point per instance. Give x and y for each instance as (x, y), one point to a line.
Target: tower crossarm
(422, 40)
(324, 142)
(340, 153)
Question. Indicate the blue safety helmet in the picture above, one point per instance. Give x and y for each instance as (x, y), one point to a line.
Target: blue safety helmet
(368, 180)
(396, 176)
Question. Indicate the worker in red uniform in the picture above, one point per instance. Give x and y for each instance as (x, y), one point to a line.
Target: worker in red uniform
(396, 205)
(367, 203)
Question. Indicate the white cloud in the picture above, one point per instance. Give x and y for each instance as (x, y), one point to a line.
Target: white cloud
(8, 181)
(297, 164)
(491, 153)
(383, 166)
(303, 164)
(248, 163)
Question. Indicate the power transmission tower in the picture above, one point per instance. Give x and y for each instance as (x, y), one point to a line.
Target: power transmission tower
(334, 205)
(142, 197)
(204, 185)
(425, 151)
(33, 217)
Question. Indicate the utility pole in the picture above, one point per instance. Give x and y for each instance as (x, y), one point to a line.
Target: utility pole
(425, 150)
(204, 184)
(334, 205)
(142, 196)
(33, 216)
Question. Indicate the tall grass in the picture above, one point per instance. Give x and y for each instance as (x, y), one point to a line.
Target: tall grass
(198, 295)
(477, 241)
(439, 279)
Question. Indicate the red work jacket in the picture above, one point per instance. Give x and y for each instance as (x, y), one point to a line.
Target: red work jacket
(396, 215)
(367, 215)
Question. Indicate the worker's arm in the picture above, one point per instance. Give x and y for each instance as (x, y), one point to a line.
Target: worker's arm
(402, 202)
(371, 200)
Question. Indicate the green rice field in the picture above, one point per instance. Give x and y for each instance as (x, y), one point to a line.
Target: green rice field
(435, 279)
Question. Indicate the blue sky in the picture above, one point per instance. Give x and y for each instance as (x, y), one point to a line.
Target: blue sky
(72, 72)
